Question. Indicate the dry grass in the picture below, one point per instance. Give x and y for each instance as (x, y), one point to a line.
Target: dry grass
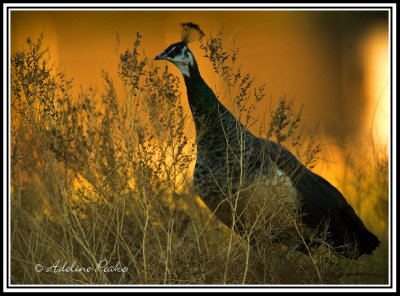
(93, 183)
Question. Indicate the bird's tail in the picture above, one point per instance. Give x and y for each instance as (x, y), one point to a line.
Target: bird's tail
(348, 227)
(357, 234)
(321, 201)
(368, 243)
(348, 232)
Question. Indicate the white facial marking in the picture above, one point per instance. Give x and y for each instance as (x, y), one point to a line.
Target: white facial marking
(183, 68)
(171, 50)
(183, 60)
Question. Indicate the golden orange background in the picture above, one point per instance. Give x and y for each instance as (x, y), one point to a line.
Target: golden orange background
(336, 63)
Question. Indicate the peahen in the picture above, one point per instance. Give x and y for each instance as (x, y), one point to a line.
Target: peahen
(231, 162)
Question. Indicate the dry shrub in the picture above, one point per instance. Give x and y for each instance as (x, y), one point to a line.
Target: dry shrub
(105, 177)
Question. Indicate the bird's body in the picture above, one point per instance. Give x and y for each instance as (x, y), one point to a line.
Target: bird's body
(232, 164)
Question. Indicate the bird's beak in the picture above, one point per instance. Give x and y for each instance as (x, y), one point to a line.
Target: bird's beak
(161, 56)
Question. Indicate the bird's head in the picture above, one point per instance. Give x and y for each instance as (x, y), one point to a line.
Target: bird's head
(179, 53)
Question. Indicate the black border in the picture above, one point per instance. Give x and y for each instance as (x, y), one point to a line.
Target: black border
(201, 8)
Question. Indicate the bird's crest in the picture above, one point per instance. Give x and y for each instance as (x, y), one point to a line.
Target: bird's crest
(190, 32)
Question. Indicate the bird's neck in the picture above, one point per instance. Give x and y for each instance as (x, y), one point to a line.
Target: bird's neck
(212, 120)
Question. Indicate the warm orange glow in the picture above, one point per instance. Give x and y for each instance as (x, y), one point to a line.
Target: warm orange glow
(376, 61)
(337, 70)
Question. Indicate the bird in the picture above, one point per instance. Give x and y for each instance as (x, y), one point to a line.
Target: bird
(230, 158)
